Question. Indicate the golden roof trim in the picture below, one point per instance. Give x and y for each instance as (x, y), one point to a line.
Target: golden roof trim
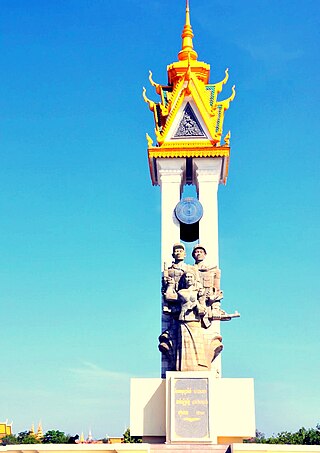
(154, 153)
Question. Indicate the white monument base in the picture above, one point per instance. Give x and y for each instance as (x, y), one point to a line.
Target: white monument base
(148, 407)
(192, 407)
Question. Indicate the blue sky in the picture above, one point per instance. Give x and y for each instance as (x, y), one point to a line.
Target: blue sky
(80, 220)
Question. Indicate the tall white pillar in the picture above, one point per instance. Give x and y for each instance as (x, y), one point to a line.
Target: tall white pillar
(208, 175)
(171, 179)
(170, 173)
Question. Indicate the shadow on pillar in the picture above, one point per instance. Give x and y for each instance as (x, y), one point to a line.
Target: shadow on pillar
(189, 233)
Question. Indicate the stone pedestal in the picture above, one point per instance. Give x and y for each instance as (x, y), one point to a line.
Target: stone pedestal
(189, 399)
(148, 408)
(192, 408)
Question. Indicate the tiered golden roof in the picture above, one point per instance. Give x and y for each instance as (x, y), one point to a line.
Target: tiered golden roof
(189, 117)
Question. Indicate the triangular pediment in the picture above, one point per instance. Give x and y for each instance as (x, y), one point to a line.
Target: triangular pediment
(187, 123)
(189, 126)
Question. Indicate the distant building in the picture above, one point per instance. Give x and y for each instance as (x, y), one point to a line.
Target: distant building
(115, 440)
(5, 429)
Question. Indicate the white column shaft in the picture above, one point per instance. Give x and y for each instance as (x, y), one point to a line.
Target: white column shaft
(207, 178)
(208, 173)
(171, 175)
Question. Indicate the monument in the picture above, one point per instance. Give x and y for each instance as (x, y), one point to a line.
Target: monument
(191, 403)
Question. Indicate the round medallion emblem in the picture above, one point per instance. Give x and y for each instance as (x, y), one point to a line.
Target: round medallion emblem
(189, 211)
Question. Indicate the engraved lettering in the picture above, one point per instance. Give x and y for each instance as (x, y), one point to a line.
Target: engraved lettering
(183, 413)
(183, 391)
(200, 402)
(183, 402)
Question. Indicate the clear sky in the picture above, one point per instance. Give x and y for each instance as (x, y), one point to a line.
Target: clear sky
(80, 220)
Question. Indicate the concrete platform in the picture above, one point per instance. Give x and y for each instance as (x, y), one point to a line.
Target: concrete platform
(159, 448)
(183, 448)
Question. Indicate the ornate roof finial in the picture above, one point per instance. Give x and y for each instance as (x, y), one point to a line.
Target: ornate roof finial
(187, 35)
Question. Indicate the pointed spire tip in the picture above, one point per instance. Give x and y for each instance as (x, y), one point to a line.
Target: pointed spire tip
(187, 35)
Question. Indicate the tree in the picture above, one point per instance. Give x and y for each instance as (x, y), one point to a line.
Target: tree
(55, 437)
(258, 439)
(303, 436)
(10, 439)
(25, 437)
(128, 439)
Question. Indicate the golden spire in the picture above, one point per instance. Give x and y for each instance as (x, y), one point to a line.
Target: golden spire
(39, 434)
(187, 50)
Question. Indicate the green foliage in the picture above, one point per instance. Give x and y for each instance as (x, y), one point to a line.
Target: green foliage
(128, 439)
(54, 436)
(309, 436)
(10, 439)
(25, 437)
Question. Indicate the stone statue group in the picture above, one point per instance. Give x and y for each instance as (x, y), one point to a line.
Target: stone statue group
(191, 303)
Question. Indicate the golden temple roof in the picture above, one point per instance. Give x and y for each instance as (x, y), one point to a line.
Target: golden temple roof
(189, 116)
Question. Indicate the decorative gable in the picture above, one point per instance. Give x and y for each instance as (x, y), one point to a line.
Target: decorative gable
(189, 125)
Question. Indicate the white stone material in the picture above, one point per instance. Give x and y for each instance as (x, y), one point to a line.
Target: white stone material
(171, 174)
(147, 407)
(274, 448)
(234, 409)
(81, 448)
(146, 448)
(231, 406)
(207, 179)
(171, 413)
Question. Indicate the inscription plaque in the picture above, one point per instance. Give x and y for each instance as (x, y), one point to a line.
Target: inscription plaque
(191, 408)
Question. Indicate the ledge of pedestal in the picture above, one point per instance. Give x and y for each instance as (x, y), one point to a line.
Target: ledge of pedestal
(157, 409)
